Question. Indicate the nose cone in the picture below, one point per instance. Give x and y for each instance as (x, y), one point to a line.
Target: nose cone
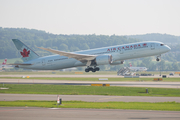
(168, 48)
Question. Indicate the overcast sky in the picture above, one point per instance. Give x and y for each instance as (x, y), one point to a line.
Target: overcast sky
(106, 17)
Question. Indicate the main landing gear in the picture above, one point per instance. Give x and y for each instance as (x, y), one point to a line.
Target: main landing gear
(92, 69)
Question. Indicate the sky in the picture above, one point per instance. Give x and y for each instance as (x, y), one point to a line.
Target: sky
(100, 17)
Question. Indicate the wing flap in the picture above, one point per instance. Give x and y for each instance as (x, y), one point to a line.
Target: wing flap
(80, 57)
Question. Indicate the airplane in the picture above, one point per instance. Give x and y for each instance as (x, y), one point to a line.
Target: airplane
(137, 68)
(3, 65)
(92, 58)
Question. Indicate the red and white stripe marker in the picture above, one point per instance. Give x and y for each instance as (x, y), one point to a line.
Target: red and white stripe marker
(58, 100)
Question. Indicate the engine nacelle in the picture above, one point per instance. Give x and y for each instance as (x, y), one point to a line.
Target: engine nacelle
(117, 62)
(104, 59)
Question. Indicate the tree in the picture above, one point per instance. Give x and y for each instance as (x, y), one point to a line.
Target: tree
(85, 46)
(175, 67)
(162, 65)
(63, 47)
(147, 61)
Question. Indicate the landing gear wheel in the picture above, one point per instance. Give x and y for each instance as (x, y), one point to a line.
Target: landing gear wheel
(87, 70)
(94, 70)
(90, 69)
(157, 59)
(97, 68)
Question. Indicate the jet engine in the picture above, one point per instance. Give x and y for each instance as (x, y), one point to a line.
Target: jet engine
(117, 62)
(104, 59)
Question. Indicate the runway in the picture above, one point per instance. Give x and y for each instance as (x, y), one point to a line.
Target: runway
(71, 76)
(112, 83)
(29, 113)
(87, 98)
(85, 76)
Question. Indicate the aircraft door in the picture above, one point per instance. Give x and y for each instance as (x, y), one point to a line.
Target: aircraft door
(152, 46)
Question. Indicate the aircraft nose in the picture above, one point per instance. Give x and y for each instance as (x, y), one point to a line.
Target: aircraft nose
(168, 48)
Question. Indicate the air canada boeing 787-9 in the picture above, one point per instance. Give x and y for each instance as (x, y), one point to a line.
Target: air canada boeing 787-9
(92, 58)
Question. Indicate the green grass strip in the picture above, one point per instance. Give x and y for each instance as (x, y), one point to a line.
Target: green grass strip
(165, 106)
(87, 90)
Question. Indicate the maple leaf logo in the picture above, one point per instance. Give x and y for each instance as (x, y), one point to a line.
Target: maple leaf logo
(25, 53)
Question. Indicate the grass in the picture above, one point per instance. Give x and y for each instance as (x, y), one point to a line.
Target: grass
(94, 79)
(87, 90)
(165, 106)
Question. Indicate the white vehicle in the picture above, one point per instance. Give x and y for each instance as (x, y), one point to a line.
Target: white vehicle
(113, 55)
(137, 68)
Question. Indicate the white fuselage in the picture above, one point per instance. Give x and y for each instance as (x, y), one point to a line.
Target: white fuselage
(6, 66)
(119, 53)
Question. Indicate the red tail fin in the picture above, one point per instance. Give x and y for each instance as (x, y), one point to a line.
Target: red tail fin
(4, 63)
(130, 65)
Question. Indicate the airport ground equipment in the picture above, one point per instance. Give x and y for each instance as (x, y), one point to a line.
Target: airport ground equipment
(123, 71)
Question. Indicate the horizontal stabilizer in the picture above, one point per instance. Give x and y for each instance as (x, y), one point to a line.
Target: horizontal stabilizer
(20, 64)
(80, 57)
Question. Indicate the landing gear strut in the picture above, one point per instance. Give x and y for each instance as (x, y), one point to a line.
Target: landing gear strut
(92, 69)
(157, 59)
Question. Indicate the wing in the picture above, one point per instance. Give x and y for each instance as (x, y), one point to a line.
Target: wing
(80, 57)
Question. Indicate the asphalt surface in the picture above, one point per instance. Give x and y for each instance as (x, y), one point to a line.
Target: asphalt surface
(85, 76)
(113, 83)
(31, 113)
(88, 98)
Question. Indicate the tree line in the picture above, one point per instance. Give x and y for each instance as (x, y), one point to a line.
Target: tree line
(37, 38)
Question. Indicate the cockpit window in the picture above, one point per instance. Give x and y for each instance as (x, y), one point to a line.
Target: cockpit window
(162, 44)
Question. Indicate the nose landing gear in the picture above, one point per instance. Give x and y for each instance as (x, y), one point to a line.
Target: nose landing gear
(158, 58)
(92, 69)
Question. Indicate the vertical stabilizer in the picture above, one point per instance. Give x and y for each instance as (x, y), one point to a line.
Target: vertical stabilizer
(130, 64)
(26, 53)
(4, 63)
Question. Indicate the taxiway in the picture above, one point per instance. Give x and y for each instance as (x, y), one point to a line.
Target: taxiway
(157, 84)
(29, 113)
(87, 98)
